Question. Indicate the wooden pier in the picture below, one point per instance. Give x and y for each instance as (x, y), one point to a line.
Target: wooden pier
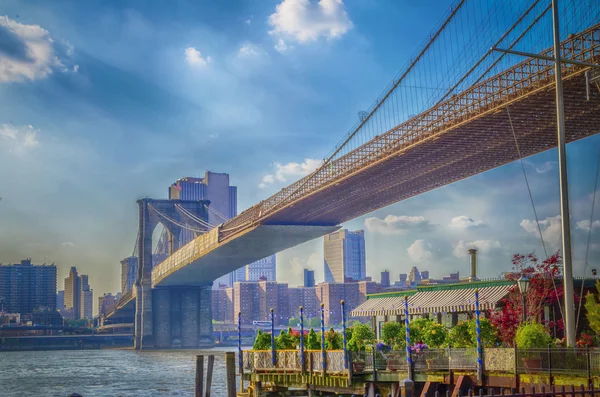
(446, 372)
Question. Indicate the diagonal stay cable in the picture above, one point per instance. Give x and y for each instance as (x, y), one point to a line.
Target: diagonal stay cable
(537, 222)
(589, 238)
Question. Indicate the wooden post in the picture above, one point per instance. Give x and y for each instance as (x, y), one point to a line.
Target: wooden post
(199, 375)
(230, 369)
(209, 373)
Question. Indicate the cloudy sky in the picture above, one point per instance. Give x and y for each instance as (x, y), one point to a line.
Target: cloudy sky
(104, 102)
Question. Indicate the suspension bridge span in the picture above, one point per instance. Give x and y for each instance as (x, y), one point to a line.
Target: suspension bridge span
(496, 119)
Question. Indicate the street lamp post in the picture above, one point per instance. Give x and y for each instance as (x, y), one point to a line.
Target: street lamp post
(523, 284)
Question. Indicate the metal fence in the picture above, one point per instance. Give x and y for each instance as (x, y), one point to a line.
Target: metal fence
(551, 361)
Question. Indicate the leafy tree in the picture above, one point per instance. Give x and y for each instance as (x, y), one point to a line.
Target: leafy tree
(81, 323)
(334, 340)
(532, 336)
(464, 334)
(312, 342)
(542, 292)
(262, 341)
(284, 341)
(362, 335)
(393, 334)
(314, 322)
(592, 307)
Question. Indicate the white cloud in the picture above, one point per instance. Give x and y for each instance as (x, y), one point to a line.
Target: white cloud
(551, 228)
(68, 244)
(248, 50)
(420, 251)
(282, 47)
(304, 21)
(482, 246)
(463, 222)
(194, 57)
(393, 224)
(545, 167)
(27, 52)
(290, 170)
(18, 139)
(585, 225)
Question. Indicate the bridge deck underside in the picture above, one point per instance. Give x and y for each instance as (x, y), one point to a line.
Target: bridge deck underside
(483, 143)
(255, 244)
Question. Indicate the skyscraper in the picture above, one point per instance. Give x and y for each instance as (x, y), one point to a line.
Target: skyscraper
(128, 273)
(25, 287)
(87, 298)
(414, 277)
(73, 294)
(264, 268)
(79, 297)
(309, 278)
(385, 278)
(345, 256)
(223, 204)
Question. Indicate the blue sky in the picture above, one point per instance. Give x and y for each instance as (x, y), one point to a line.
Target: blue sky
(104, 102)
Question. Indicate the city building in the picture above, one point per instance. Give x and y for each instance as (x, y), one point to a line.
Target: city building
(367, 287)
(25, 288)
(106, 301)
(128, 273)
(60, 300)
(223, 205)
(305, 297)
(273, 295)
(222, 305)
(385, 279)
(345, 257)
(414, 277)
(425, 275)
(87, 298)
(331, 294)
(246, 300)
(309, 278)
(265, 268)
(402, 277)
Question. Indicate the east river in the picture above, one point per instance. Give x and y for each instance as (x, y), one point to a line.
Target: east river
(109, 373)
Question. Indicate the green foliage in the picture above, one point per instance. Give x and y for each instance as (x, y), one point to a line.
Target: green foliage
(464, 334)
(81, 323)
(334, 340)
(592, 308)
(393, 334)
(532, 336)
(428, 331)
(284, 341)
(314, 322)
(262, 341)
(312, 341)
(362, 335)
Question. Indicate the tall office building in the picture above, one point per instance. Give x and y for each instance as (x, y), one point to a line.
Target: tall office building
(128, 273)
(25, 287)
(223, 205)
(73, 294)
(106, 301)
(309, 278)
(87, 298)
(263, 269)
(345, 256)
(414, 277)
(425, 275)
(60, 300)
(385, 278)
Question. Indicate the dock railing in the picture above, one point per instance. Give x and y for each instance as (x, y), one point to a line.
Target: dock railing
(551, 361)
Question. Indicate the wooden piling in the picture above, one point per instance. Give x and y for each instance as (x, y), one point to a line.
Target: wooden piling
(209, 373)
(230, 369)
(199, 375)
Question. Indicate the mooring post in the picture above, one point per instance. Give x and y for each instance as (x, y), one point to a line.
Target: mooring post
(199, 375)
(479, 346)
(230, 369)
(209, 373)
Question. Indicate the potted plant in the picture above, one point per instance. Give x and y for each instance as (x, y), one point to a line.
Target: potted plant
(381, 355)
(532, 336)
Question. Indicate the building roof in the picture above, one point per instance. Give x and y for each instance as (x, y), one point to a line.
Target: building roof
(452, 298)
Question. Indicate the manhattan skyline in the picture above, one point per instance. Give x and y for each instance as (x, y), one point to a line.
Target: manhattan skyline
(91, 131)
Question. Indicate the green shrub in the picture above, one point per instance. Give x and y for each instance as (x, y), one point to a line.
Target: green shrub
(427, 331)
(262, 341)
(284, 341)
(532, 336)
(393, 333)
(334, 340)
(464, 334)
(312, 341)
(362, 335)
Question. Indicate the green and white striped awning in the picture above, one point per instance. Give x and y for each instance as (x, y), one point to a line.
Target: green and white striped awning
(451, 300)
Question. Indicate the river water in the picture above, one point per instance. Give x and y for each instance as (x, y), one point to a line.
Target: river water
(110, 373)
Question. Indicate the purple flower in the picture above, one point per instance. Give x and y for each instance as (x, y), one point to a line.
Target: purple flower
(382, 347)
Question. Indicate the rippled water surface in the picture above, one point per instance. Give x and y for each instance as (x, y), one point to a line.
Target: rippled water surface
(105, 373)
